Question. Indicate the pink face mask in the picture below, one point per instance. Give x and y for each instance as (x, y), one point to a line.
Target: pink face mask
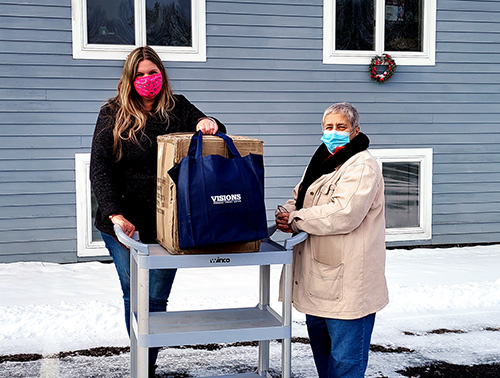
(148, 86)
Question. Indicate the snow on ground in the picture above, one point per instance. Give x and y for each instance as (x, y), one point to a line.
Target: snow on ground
(47, 308)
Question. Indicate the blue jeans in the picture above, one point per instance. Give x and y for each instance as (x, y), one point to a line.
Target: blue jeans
(340, 347)
(160, 284)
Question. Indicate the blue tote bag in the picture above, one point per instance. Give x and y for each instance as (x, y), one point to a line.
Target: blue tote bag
(219, 200)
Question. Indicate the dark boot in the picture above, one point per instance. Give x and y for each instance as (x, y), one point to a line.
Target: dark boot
(153, 355)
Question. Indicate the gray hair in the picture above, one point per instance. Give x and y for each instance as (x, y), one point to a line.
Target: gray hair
(345, 109)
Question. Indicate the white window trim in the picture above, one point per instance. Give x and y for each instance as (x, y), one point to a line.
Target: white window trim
(425, 58)
(83, 50)
(424, 157)
(85, 246)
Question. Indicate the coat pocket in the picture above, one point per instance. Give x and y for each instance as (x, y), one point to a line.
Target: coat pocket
(326, 281)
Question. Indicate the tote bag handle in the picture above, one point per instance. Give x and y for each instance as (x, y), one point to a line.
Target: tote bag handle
(196, 145)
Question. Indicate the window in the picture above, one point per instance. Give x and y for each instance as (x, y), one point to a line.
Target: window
(111, 29)
(408, 192)
(89, 242)
(356, 30)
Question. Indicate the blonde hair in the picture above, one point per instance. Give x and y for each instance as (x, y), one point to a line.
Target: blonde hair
(131, 115)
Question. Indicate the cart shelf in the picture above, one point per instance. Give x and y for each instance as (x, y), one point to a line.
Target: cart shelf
(212, 326)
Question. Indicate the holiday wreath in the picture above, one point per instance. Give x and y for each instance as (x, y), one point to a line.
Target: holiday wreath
(382, 60)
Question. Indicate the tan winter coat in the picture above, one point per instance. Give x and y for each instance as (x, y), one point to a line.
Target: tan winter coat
(339, 271)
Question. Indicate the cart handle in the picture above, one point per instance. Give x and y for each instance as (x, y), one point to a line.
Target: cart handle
(290, 242)
(296, 239)
(144, 248)
(129, 242)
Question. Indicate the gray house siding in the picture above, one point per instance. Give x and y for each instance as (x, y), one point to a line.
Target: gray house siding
(264, 77)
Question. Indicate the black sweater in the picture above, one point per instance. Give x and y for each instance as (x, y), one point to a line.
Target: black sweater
(128, 187)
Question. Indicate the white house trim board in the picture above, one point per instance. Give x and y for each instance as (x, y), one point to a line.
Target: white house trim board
(425, 58)
(86, 247)
(83, 50)
(423, 156)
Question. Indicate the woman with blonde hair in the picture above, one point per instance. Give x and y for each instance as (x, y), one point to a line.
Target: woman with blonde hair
(123, 163)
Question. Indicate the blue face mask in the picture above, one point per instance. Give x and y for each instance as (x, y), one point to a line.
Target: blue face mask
(333, 139)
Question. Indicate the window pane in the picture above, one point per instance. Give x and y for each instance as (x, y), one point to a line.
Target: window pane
(403, 25)
(168, 22)
(401, 194)
(96, 234)
(355, 25)
(110, 22)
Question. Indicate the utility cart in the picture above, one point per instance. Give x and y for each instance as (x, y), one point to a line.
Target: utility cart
(173, 328)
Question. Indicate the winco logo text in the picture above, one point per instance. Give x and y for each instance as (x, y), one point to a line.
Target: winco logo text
(226, 198)
(220, 260)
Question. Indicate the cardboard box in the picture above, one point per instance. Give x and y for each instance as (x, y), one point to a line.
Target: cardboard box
(171, 149)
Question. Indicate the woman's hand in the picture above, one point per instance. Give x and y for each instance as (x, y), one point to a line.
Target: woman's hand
(125, 225)
(282, 222)
(207, 126)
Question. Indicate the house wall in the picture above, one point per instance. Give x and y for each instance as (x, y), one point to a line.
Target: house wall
(264, 77)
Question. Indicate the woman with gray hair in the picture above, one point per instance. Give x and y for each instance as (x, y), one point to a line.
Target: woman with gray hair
(339, 271)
